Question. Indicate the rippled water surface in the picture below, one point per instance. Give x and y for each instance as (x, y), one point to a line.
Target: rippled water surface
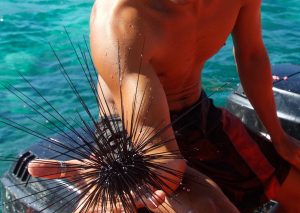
(26, 27)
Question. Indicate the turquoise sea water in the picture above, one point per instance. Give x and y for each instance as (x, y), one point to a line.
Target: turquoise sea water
(27, 26)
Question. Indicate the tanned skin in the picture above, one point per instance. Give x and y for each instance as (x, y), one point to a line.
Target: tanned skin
(176, 38)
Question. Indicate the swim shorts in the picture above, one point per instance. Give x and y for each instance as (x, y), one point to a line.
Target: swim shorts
(244, 165)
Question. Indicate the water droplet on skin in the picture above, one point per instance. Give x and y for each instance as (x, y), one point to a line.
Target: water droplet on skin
(188, 189)
(183, 188)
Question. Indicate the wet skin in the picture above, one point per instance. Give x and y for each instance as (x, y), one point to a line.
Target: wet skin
(175, 38)
(180, 37)
(165, 44)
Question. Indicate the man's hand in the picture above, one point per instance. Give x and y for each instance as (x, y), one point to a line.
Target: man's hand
(74, 172)
(289, 149)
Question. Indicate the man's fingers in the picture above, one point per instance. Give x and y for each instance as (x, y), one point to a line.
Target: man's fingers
(52, 169)
(152, 201)
(44, 169)
(157, 199)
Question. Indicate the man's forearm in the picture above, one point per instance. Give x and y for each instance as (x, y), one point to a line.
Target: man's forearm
(256, 78)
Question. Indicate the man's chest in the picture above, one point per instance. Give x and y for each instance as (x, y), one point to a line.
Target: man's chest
(198, 35)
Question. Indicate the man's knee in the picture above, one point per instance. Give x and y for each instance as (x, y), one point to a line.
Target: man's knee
(215, 205)
(206, 204)
(288, 195)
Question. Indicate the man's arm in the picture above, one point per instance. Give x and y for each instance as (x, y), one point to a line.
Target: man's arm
(255, 74)
(123, 48)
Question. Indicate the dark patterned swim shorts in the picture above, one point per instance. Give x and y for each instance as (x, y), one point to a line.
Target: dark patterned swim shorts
(215, 142)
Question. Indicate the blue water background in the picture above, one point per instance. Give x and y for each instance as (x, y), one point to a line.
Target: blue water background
(27, 26)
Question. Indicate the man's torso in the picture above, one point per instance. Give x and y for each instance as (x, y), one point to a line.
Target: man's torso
(187, 35)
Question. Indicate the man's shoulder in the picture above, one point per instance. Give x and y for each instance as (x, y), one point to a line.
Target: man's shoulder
(134, 19)
(133, 11)
(128, 23)
(251, 2)
(121, 8)
(121, 14)
(127, 11)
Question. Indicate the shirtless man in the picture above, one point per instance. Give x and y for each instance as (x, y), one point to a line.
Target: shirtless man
(175, 38)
